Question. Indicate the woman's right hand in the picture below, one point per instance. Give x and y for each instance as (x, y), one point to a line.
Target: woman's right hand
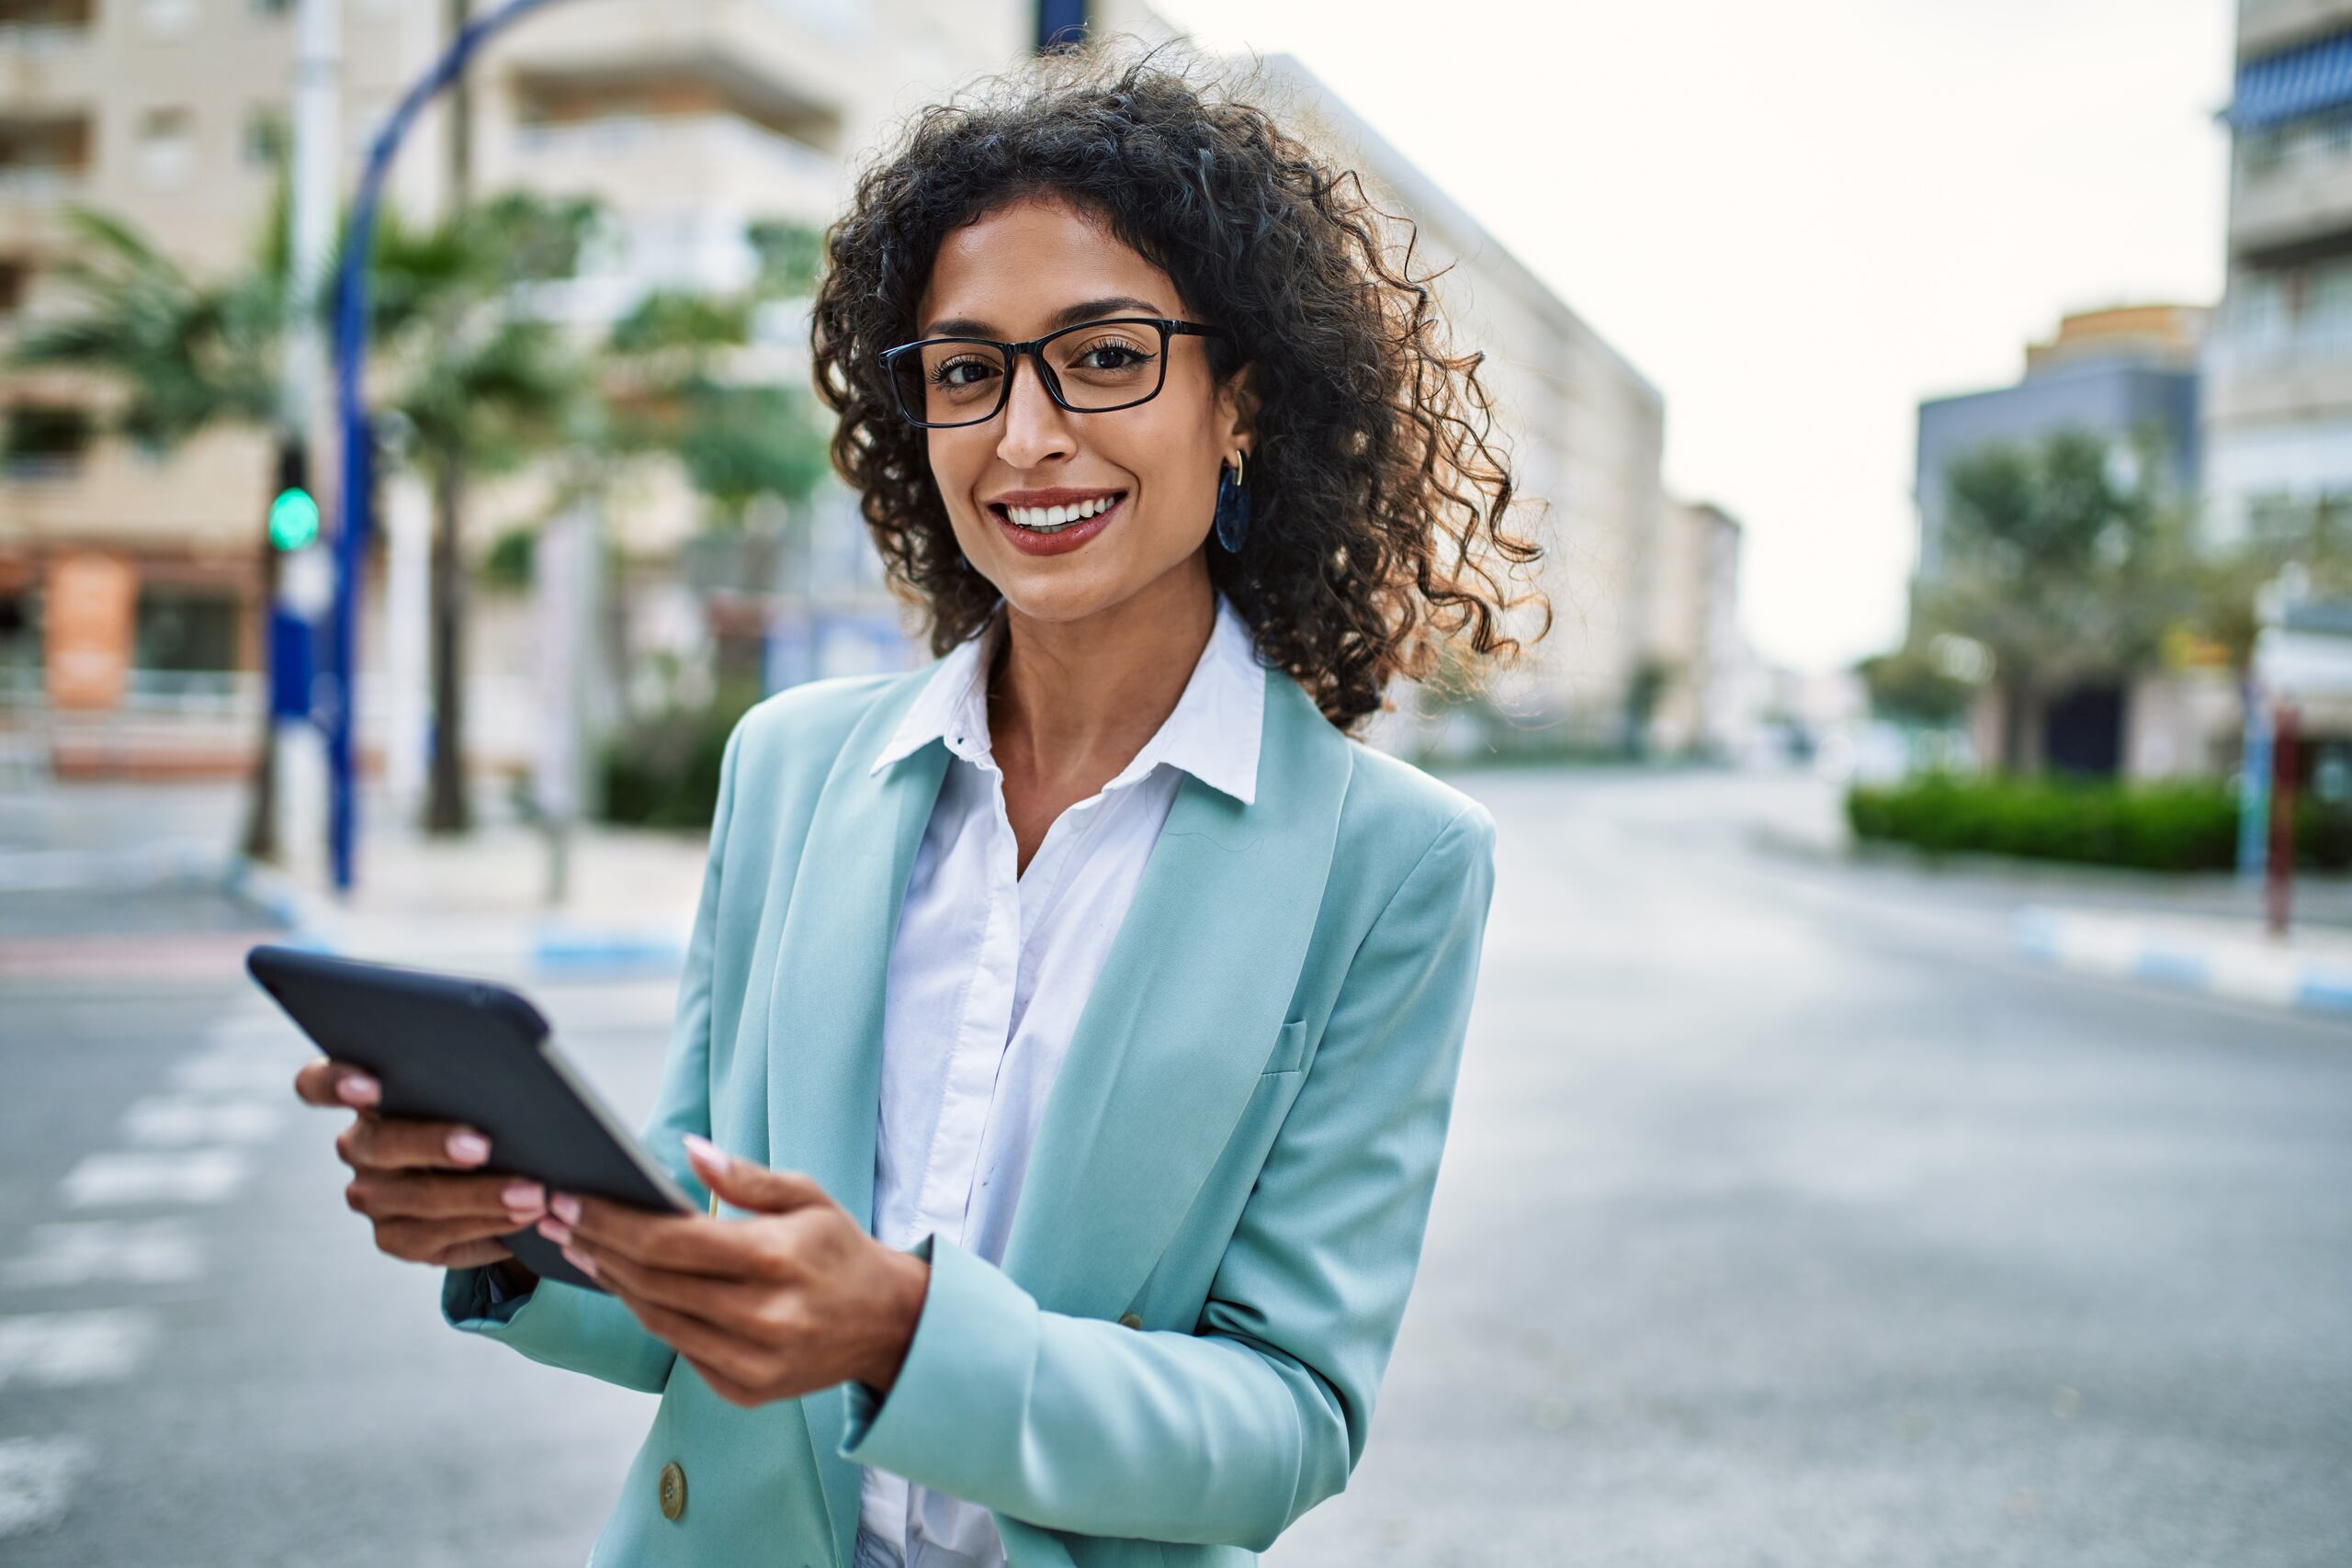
(418, 1181)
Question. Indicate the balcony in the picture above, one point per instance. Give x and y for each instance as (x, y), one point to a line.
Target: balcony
(45, 160)
(2271, 377)
(2293, 186)
(2264, 26)
(45, 53)
(716, 160)
(775, 62)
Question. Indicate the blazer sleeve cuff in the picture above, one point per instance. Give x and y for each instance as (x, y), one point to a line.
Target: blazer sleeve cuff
(960, 1392)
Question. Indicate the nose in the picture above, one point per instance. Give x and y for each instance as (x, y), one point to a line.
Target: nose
(1035, 427)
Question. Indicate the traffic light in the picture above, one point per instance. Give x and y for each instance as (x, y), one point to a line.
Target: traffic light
(294, 510)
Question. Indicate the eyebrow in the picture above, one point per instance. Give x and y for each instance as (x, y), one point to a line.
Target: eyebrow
(1068, 315)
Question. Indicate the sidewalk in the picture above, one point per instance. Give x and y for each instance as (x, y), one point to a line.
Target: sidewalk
(2202, 934)
(479, 903)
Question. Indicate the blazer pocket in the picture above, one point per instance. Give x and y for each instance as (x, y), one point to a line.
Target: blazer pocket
(1290, 1049)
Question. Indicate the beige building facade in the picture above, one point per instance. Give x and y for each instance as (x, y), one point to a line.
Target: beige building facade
(1585, 433)
(688, 118)
(2279, 371)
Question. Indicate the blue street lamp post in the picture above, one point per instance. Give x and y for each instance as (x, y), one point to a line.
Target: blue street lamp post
(354, 499)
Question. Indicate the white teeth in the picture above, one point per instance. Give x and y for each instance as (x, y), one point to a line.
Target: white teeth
(1049, 519)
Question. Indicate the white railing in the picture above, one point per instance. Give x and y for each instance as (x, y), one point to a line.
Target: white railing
(43, 38)
(2297, 147)
(2328, 338)
(676, 135)
(39, 181)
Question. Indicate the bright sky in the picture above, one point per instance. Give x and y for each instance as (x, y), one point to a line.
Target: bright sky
(1799, 219)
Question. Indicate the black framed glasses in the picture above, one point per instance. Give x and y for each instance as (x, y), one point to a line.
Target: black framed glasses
(1091, 368)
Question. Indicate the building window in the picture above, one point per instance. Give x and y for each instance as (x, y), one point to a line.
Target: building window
(272, 7)
(15, 277)
(43, 156)
(167, 147)
(44, 442)
(265, 138)
(20, 653)
(183, 630)
(168, 18)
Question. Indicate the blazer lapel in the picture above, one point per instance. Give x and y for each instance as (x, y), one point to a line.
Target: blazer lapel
(1170, 1045)
(823, 1027)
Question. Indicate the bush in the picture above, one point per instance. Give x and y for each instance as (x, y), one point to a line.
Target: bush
(663, 771)
(2190, 826)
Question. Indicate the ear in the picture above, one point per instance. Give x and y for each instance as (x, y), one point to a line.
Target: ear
(1236, 410)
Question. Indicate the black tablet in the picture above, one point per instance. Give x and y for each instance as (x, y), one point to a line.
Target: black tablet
(449, 1048)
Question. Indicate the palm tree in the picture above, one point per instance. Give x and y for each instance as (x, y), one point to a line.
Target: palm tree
(481, 384)
(183, 357)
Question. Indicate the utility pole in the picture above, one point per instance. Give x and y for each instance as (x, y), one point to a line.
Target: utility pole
(293, 601)
(447, 809)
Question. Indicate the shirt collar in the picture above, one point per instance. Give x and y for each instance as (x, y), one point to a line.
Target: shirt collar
(1213, 733)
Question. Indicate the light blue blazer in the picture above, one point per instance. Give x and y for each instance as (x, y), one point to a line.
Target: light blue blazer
(1225, 1204)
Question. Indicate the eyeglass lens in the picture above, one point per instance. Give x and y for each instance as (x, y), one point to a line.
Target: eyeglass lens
(1099, 365)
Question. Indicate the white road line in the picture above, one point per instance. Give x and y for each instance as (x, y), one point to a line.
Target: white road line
(172, 1121)
(58, 1349)
(36, 1478)
(151, 1252)
(253, 1027)
(241, 1071)
(190, 1175)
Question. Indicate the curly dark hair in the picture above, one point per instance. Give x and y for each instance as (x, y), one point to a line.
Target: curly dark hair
(1378, 489)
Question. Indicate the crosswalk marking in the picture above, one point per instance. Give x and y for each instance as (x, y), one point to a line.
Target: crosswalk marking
(149, 1252)
(241, 1070)
(58, 1349)
(36, 1478)
(187, 1176)
(177, 1122)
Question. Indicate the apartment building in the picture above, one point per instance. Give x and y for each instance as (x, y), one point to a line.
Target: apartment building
(2278, 399)
(689, 118)
(2127, 373)
(1703, 672)
(1586, 432)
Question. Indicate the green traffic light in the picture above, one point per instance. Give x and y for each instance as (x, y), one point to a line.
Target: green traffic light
(293, 519)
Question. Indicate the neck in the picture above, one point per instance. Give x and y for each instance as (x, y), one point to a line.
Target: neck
(1079, 698)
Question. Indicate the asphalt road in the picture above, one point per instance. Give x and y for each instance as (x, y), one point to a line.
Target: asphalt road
(1788, 1218)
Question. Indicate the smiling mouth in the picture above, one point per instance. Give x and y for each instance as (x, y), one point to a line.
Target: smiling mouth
(1054, 519)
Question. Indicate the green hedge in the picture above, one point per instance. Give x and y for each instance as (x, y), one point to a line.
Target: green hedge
(2189, 825)
(663, 771)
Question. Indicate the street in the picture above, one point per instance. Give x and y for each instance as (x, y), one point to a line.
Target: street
(1788, 1216)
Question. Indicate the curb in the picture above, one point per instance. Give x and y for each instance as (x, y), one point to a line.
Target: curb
(551, 948)
(2241, 968)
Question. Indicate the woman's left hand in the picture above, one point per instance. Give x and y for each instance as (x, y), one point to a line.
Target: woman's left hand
(793, 1299)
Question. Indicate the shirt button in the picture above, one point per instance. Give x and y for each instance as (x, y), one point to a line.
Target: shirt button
(673, 1490)
(1130, 1320)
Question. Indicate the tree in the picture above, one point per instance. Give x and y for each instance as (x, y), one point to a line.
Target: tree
(178, 357)
(483, 383)
(2065, 564)
(456, 350)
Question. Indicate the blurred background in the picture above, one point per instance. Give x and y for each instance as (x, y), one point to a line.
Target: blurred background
(1908, 1110)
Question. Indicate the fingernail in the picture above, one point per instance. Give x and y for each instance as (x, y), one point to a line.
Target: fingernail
(555, 1231)
(585, 1265)
(706, 1151)
(357, 1088)
(524, 1195)
(469, 1147)
(566, 1206)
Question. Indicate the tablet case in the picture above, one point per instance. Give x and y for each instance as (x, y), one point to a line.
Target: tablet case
(451, 1048)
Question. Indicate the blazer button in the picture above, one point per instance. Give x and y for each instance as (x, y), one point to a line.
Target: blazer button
(673, 1490)
(1130, 1320)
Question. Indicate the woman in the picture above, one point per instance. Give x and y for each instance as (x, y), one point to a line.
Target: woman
(1069, 1027)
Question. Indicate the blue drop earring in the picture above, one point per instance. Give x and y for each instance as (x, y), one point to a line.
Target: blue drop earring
(1233, 504)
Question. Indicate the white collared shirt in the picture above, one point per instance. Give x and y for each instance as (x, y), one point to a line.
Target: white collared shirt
(988, 973)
